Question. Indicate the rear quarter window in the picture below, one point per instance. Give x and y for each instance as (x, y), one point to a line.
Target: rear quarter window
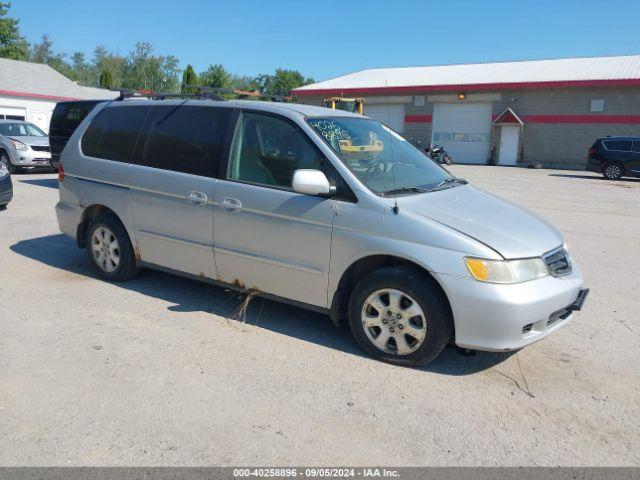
(112, 134)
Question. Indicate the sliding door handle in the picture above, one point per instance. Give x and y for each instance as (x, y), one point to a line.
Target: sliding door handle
(232, 205)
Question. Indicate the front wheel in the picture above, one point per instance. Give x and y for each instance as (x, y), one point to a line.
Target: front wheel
(398, 315)
(4, 158)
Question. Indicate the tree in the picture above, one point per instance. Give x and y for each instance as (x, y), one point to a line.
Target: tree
(12, 44)
(81, 71)
(106, 80)
(105, 60)
(189, 77)
(43, 52)
(216, 76)
(282, 82)
(143, 70)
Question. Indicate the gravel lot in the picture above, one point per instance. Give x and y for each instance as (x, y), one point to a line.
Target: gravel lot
(154, 371)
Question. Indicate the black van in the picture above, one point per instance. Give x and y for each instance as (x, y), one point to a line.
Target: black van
(65, 119)
(615, 157)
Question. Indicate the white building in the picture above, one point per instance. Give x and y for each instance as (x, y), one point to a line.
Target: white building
(30, 91)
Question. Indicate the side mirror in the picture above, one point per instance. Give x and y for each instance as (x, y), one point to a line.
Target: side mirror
(311, 182)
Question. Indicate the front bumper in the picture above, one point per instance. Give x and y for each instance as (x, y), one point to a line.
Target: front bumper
(31, 159)
(501, 318)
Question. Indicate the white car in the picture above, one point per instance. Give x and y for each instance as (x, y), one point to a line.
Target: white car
(23, 146)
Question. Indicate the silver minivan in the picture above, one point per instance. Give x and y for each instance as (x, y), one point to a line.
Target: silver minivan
(325, 209)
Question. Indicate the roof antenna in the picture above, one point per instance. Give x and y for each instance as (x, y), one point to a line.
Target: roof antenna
(396, 208)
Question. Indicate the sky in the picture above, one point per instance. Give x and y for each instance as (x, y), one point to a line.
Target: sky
(327, 38)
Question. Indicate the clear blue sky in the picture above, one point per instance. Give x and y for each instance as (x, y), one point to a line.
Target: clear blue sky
(327, 38)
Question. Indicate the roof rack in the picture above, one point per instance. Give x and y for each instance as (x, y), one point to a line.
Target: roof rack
(202, 92)
(124, 94)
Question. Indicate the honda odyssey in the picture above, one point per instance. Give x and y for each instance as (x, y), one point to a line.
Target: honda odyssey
(325, 209)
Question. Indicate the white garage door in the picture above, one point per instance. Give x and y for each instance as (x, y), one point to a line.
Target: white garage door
(13, 113)
(389, 114)
(464, 130)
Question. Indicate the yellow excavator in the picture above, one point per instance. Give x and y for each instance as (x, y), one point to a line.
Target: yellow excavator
(353, 105)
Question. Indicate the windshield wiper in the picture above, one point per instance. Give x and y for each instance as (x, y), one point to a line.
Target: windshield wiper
(448, 181)
(404, 190)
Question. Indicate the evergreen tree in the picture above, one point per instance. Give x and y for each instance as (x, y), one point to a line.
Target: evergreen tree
(106, 80)
(189, 78)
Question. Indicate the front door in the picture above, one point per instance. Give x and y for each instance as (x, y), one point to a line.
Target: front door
(509, 141)
(267, 237)
(173, 186)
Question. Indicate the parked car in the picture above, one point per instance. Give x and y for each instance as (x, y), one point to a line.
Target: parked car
(6, 187)
(65, 119)
(322, 208)
(23, 146)
(615, 157)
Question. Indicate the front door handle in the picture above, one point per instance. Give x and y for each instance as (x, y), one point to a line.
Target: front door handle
(232, 205)
(197, 199)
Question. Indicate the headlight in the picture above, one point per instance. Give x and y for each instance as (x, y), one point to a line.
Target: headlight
(4, 171)
(506, 271)
(18, 145)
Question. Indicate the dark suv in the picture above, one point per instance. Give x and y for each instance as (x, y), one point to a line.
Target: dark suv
(65, 119)
(615, 157)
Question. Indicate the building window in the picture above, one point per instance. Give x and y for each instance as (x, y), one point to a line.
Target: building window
(597, 105)
(419, 101)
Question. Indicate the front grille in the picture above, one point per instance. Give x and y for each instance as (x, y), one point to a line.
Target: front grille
(558, 262)
(41, 148)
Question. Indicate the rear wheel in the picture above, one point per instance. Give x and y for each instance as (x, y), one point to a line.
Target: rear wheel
(109, 249)
(398, 315)
(612, 171)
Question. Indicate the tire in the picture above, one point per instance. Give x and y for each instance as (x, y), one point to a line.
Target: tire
(112, 261)
(413, 340)
(613, 171)
(4, 158)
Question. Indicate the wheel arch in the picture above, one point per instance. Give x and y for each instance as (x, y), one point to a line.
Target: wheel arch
(365, 266)
(89, 213)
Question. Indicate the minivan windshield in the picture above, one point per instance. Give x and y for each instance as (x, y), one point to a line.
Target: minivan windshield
(21, 129)
(383, 160)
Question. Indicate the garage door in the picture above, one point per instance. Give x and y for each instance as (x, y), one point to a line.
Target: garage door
(464, 130)
(390, 114)
(13, 113)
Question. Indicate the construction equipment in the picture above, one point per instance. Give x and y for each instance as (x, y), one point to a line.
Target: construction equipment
(353, 105)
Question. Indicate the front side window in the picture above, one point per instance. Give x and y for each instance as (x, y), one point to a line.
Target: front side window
(20, 130)
(187, 139)
(113, 133)
(383, 160)
(267, 150)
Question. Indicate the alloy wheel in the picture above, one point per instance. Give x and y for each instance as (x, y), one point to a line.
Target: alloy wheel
(613, 172)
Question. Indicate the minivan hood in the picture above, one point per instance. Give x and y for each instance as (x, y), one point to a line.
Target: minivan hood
(33, 140)
(513, 231)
